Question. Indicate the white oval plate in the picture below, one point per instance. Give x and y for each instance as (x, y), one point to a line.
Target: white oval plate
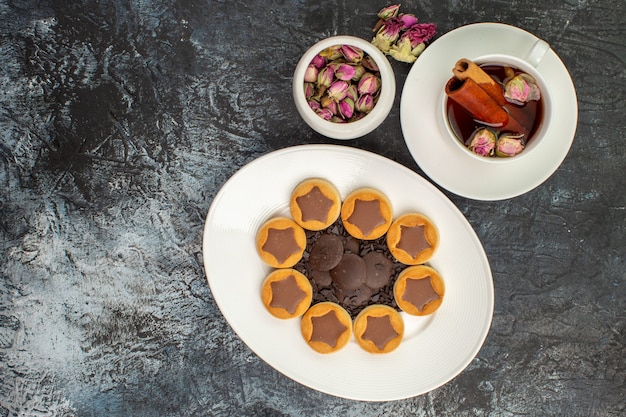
(445, 162)
(435, 349)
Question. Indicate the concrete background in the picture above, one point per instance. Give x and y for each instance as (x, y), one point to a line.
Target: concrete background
(120, 121)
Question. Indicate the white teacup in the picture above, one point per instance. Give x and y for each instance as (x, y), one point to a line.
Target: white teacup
(527, 63)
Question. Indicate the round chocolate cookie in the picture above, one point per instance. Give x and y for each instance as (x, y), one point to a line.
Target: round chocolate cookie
(349, 274)
(326, 252)
(354, 298)
(379, 270)
(322, 279)
(351, 244)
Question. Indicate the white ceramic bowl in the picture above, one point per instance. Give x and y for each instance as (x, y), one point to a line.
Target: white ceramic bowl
(359, 127)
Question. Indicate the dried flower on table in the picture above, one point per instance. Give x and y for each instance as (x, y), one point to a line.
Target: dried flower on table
(388, 12)
(400, 35)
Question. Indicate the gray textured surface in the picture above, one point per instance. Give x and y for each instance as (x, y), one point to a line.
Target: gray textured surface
(119, 122)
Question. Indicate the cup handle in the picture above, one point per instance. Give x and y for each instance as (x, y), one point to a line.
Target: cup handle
(537, 52)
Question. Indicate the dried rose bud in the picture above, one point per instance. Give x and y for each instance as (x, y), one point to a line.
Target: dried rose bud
(326, 102)
(359, 70)
(338, 90)
(368, 84)
(352, 92)
(314, 104)
(483, 142)
(408, 20)
(318, 61)
(310, 75)
(331, 53)
(352, 54)
(344, 72)
(521, 89)
(332, 106)
(388, 34)
(324, 113)
(420, 33)
(309, 90)
(391, 29)
(369, 63)
(389, 12)
(365, 103)
(509, 145)
(385, 14)
(325, 76)
(346, 108)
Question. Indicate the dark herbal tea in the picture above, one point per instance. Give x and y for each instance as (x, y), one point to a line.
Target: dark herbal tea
(464, 126)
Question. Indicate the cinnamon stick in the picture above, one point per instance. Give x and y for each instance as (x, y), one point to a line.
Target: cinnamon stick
(465, 68)
(476, 101)
(519, 121)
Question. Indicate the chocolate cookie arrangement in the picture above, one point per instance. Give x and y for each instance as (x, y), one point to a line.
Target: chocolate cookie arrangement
(355, 270)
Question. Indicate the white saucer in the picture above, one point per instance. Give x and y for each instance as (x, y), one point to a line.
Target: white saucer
(435, 348)
(445, 162)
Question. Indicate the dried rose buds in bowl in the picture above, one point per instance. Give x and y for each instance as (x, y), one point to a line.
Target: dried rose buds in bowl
(344, 87)
(342, 83)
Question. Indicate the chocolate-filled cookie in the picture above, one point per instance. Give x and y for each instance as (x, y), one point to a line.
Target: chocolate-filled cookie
(419, 290)
(281, 242)
(286, 293)
(378, 329)
(412, 239)
(366, 213)
(326, 327)
(315, 204)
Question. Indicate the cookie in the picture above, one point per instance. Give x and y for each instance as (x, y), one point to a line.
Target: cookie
(280, 242)
(286, 293)
(326, 327)
(412, 239)
(419, 290)
(366, 213)
(379, 329)
(315, 204)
